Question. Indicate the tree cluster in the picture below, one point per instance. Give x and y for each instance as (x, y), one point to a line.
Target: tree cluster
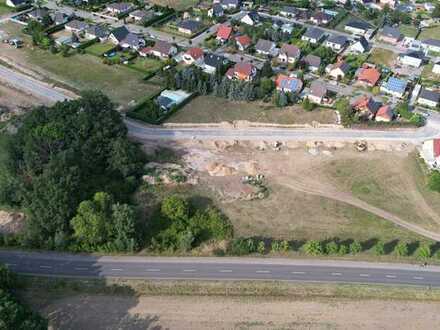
(61, 156)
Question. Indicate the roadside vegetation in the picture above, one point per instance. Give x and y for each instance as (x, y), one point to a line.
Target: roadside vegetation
(13, 314)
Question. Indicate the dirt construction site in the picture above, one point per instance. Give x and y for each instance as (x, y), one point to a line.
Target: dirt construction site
(313, 189)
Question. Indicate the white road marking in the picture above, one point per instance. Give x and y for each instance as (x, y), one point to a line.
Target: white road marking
(390, 276)
(225, 270)
(117, 269)
(8, 265)
(336, 274)
(418, 278)
(153, 270)
(364, 275)
(298, 273)
(189, 270)
(263, 271)
(46, 267)
(81, 268)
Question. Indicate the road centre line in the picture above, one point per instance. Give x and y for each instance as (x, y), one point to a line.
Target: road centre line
(336, 274)
(263, 271)
(298, 273)
(153, 270)
(364, 275)
(390, 276)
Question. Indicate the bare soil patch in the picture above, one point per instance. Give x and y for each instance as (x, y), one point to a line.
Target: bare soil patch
(180, 312)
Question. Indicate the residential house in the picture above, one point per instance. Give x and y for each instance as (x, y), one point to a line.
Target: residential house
(429, 98)
(17, 3)
(216, 11)
(390, 35)
(76, 26)
(412, 58)
(338, 70)
(366, 107)
(360, 46)
(138, 15)
(336, 42)
(266, 48)
(212, 63)
(189, 27)
(229, 4)
(321, 18)
(59, 18)
(169, 99)
(395, 87)
(287, 28)
(431, 152)
(289, 54)
(96, 32)
(436, 67)
(251, 18)
(357, 27)
(432, 45)
(312, 62)
(119, 8)
(161, 49)
(38, 14)
(289, 11)
(313, 35)
(126, 39)
(193, 55)
(224, 33)
(288, 84)
(243, 42)
(368, 76)
(243, 71)
(384, 114)
(318, 93)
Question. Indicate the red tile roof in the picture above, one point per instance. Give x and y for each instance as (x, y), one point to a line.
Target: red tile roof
(369, 75)
(243, 40)
(385, 112)
(224, 32)
(195, 52)
(243, 68)
(436, 147)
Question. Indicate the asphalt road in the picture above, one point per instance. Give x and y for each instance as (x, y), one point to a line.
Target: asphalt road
(153, 268)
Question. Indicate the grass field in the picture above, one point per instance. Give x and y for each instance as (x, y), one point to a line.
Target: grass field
(99, 48)
(147, 65)
(408, 30)
(432, 32)
(382, 56)
(209, 109)
(3, 8)
(176, 4)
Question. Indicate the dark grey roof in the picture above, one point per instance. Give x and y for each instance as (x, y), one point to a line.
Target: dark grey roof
(120, 33)
(19, 2)
(139, 14)
(121, 6)
(264, 45)
(391, 32)
(230, 2)
(359, 25)
(320, 15)
(77, 25)
(217, 9)
(39, 13)
(191, 25)
(165, 102)
(59, 17)
(318, 89)
(214, 60)
(430, 95)
(431, 42)
(314, 33)
(254, 16)
(312, 60)
(98, 31)
(290, 10)
(415, 54)
(338, 39)
(363, 42)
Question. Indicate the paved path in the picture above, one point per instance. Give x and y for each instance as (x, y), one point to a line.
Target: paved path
(35, 87)
(154, 268)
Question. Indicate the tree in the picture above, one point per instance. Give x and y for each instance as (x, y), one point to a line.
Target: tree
(175, 208)
(379, 248)
(313, 248)
(307, 105)
(434, 181)
(355, 247)
(424, 252)
(331, 247)
(436, 11)
(343, 249)
(401, 249)
(261, 248)
(266, 70)
(345, 111)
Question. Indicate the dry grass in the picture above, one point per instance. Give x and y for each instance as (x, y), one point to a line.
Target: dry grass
(382, 57)
(176, 4)
(209, 109)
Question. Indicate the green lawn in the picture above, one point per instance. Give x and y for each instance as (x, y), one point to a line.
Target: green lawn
(428, 75)
(176, 4)
(432, 32)
(382, 57)
(99, 48)
(209, 109)
(147, 65)
(4, 9)
(408, 30)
